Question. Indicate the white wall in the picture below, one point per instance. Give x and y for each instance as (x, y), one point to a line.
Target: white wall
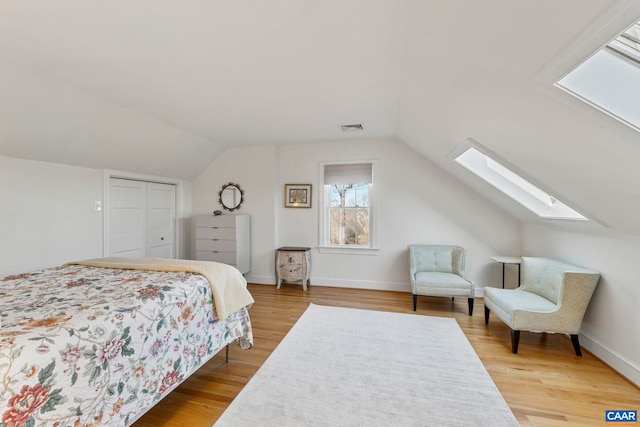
(253, 169)
(184, 221)
(611, 324)
(419, 203)
(47, 214)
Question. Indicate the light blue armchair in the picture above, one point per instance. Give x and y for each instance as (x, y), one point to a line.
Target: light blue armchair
(438, 270)
(552, 298)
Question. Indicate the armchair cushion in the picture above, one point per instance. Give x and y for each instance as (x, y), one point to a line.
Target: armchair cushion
(505, 304)
(441, 284)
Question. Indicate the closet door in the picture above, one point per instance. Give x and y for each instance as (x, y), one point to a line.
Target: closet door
(128, 218)
(141, 219)
(161, 213)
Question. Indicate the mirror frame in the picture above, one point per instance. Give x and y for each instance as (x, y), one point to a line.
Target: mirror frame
(232, 208)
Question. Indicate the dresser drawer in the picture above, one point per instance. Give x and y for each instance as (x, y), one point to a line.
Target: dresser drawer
(225, 239)
(216, 245)
(216, 221)
(224, 233)
(223, 257)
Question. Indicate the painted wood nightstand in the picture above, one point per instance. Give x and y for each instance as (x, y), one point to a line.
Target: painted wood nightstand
(293, 264)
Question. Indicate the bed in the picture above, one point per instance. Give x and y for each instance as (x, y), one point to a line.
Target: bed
(99, 342)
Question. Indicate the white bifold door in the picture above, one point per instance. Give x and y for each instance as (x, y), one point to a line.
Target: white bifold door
(142, 219)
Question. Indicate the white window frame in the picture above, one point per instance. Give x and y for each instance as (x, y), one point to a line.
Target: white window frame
(324, 245)
(527, 194)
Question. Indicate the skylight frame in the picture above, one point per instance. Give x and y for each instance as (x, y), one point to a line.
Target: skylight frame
(521, 190)
(609, 79)
(628, 42)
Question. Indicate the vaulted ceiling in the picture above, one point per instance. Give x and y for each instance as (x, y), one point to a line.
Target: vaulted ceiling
(157, 86)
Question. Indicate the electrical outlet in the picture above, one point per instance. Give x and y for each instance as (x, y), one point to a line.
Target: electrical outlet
(98, 206)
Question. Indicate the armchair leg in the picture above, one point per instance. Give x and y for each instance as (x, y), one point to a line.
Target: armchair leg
(470, 306)
(515, 340)
(576, 345)
(486, 315)
(415, 301)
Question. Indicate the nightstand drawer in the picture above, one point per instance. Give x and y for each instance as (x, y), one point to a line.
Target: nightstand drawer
(292, 272)
(291, 258)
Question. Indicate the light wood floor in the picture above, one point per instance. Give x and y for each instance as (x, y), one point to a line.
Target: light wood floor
(545, 384)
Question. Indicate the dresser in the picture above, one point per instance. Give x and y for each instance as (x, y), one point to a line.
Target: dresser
(293, 264)
(225, 239)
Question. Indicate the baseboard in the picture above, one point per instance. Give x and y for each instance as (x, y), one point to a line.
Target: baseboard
(353, 284)
(260, 280)
(338, 283)
(361, 284)
(623, 366)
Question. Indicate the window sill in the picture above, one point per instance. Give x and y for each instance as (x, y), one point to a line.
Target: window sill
(345, 250)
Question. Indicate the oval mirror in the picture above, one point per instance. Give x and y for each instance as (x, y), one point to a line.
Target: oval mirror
(231, 196)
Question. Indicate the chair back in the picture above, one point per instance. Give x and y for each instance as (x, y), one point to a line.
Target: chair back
(547, 277)
(542, 276)
(437, 258)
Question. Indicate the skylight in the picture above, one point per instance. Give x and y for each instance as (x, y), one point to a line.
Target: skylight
(513, 185)
(610, 79)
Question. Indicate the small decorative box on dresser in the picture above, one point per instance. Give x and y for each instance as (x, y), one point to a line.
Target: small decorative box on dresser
(293, 264)
(225, 239)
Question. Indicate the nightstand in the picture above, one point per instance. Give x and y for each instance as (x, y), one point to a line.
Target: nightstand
(508, 260)
(293, 264)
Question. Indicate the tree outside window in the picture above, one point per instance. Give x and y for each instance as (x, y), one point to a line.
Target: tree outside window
(349, 214)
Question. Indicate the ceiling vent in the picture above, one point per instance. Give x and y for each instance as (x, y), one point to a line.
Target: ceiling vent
(352, 128)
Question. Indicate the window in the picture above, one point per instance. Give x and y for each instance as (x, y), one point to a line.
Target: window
(349, 214)
(610, 79)
(513, 185)
(348, 205)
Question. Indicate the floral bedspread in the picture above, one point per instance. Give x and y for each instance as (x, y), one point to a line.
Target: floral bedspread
(84, 346)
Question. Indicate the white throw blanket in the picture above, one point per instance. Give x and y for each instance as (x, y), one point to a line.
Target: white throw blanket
(228, 285)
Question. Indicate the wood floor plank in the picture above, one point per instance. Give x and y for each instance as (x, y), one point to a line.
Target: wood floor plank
(545, 384)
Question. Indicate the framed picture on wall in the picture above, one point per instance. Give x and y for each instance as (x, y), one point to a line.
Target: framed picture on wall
(297, 195)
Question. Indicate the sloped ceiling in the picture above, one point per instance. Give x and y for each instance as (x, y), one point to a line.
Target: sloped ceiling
(158, 86)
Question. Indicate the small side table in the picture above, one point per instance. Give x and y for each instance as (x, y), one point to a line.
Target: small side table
(508, 260)
(293, 264)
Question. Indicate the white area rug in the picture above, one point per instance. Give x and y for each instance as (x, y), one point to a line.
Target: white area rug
(349, 367)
